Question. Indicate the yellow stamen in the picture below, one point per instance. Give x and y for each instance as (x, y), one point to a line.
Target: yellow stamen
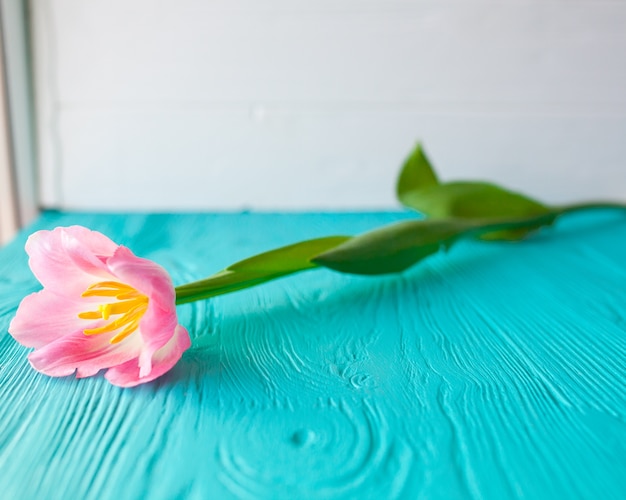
(90, 315)
(101, 293)
(129, 295)
(110, 284)
(105, 311)
(130, 307)
(125, 333)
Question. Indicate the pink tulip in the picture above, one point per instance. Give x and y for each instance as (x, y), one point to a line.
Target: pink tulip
(101, 307)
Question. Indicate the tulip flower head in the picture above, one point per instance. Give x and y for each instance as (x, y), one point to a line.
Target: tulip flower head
(101, 307)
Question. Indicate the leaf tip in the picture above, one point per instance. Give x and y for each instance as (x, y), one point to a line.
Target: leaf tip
(416, 173)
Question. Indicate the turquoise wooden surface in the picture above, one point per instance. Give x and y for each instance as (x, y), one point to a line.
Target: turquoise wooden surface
(495, 371)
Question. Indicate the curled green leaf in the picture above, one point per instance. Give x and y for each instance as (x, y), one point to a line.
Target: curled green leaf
(419, 189)
(393, 248)
(399, 246)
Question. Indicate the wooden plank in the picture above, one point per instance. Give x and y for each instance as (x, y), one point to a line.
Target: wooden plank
(494, 371)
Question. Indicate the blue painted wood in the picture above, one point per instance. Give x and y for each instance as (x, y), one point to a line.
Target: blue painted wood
(496, 371)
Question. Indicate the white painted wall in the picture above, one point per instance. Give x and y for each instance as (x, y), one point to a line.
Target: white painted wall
(282, 104)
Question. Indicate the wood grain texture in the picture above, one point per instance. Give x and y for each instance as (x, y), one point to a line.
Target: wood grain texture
(495, 371)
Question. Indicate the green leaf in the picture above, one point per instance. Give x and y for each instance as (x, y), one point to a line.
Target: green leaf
(394, 248)
(478, 200)
(472, 200)
(399, 246)
(416, 173)
(258, 269)
(419, 189)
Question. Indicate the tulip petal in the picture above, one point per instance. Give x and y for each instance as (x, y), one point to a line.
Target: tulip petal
(152, 280)
(156, 331)
(45, 316)
(144, 275)
(85, 355)
(68, 260)
(128, 374)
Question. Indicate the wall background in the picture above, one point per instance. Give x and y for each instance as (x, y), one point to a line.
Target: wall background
(283, 104)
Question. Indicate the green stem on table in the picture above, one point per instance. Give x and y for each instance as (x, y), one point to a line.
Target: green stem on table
(388, 249)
